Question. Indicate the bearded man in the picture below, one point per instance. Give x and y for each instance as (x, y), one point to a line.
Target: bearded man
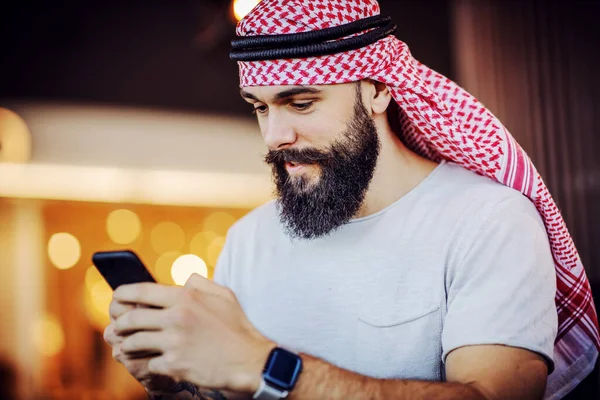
(413, 251)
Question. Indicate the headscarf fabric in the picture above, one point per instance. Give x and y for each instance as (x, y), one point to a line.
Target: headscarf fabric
(439, 120)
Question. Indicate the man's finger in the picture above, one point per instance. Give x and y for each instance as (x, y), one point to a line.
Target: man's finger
(143, 343)
(109, 335)
(201, 284)
(149, 294)
(159, 366)
(166, 366)
(116, 309)
(140, 319)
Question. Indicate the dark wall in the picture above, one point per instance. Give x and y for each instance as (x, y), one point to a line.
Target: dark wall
(171, 54)
(534, 64)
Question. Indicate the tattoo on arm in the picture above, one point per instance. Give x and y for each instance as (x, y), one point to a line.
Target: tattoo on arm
(212, 395)
(193, 391)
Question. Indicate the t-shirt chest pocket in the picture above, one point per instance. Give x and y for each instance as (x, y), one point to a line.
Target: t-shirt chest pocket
(400, 325)
(396, 316)
(392, 304)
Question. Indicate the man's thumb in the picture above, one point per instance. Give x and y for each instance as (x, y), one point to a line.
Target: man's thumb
(196, 281)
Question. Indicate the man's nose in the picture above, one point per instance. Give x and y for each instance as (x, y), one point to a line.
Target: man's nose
(278, 133)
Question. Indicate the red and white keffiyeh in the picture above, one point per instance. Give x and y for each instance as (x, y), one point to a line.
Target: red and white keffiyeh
(440, 120)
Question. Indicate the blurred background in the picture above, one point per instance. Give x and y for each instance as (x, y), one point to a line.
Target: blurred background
(121, 126)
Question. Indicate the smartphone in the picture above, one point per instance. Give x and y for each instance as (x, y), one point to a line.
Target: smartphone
(121, 268)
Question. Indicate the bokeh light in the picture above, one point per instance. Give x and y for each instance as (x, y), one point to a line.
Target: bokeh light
(15, 138)
(200, 243)
(214, 250)
(167, 236)
(162, 267)
(241, 8)
(97, 297)
(123, 226)
(92, 276)
(185, 266)
(64, 250)
(48, 335)
(219, 223)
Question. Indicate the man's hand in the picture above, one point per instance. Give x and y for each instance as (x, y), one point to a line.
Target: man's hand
(199, 331)
(136, 365)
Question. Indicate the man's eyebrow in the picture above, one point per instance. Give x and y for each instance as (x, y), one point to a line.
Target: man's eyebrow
(284, 94)
(295, 91)
(247, 95)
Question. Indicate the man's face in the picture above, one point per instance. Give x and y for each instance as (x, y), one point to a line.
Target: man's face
(323, 149)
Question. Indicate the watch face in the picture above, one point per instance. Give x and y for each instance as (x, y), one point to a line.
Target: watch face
(282, 369)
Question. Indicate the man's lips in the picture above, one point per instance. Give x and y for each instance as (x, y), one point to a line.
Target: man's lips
(293, 167)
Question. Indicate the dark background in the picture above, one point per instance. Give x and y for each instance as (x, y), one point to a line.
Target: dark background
(168, 54)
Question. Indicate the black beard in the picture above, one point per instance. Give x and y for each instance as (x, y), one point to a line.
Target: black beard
(310, 210)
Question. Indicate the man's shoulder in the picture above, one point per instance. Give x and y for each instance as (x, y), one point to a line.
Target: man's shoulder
(480, 197)
(470, 185)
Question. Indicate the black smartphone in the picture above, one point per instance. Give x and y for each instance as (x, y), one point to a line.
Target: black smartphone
(121, 268)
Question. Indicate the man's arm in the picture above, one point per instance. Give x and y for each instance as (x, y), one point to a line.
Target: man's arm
(473, 373)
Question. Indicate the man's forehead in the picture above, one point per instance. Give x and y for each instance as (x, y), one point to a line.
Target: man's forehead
(279, 92)
(270, 91)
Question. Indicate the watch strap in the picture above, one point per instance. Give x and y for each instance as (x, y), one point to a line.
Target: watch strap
(266, 392)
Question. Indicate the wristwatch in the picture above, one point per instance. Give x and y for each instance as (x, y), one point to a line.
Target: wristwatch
(280, 375)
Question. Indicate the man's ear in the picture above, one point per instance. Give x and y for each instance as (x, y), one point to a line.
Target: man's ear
(381, 97)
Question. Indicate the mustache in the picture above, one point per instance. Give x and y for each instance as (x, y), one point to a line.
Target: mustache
(298, 156)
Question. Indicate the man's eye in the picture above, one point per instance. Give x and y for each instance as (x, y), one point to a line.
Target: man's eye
(302, 106)
(259, 110)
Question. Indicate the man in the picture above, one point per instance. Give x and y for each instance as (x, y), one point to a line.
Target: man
(412, 253)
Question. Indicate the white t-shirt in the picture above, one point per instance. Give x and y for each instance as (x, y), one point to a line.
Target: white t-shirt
(460, 260)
